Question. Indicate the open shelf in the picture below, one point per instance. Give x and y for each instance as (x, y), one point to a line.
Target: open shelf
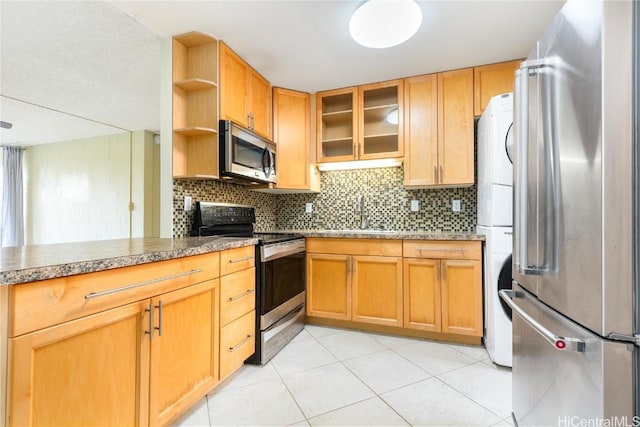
(195, 130)
(195, 106)
(195, 84)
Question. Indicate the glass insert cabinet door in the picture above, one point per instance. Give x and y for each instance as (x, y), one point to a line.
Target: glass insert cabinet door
(380, 120)
(360, 123)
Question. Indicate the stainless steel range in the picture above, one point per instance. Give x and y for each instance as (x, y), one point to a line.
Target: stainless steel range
(280, 274)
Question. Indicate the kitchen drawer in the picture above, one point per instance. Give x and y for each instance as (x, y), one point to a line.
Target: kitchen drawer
(380, 247)
(50, 302)
(237, 295)
(237, 259)
(237, 343)
(441, 249)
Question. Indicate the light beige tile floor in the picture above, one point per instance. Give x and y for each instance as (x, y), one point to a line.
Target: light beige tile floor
(336, 377)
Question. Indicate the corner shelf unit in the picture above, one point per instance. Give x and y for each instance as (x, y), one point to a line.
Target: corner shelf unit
(195, 106)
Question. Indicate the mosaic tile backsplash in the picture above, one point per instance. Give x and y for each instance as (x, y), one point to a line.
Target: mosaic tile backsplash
(386, 203)
(222, 192)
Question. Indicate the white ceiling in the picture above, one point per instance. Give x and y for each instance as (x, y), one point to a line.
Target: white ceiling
(101, 60)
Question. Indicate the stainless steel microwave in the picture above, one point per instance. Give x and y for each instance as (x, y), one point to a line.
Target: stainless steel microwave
(246, 155)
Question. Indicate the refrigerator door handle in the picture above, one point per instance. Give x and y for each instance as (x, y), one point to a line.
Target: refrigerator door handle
(558, 342)
(521, 140)
(521, 133)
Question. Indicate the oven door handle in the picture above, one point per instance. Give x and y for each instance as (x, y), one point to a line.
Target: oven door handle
(283, 323)
(269, 253)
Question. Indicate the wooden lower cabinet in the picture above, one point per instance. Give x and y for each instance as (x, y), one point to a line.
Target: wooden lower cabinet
(442, 293)
(136, 345)
(462, 297)
(90, 371)
(377, 290)
(237, 343)
(430, 289)
(363, 286)
(422, 299)
(184, 350)
(329, 286)
(143, 363)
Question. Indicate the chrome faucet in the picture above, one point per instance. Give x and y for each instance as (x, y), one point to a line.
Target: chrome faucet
(364, 218)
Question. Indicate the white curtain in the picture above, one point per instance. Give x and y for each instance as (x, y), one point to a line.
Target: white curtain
(12, 225)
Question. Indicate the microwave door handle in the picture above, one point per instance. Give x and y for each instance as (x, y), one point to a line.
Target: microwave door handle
(265, 165)
(272, 163)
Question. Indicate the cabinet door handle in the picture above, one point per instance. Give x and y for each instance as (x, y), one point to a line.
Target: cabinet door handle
(435, 173)
(150, 331)
(244, 294)
(240, 344)
(441, 174)
(159, 327)
(444, 272)
(137, 285)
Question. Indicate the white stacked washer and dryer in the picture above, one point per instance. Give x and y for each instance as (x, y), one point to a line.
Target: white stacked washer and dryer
(495, 178)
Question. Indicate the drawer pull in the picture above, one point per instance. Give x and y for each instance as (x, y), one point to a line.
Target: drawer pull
(137, 285)
(439, 250)
(244, 294)
(247, 258)
(240, 344)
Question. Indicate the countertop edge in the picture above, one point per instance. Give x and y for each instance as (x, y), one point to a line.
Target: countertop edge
(45, 272)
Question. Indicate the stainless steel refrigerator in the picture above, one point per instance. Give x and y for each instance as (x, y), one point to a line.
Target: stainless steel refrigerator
(575, 296)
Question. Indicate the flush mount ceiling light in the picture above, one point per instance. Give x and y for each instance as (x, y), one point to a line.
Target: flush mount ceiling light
(385, 23)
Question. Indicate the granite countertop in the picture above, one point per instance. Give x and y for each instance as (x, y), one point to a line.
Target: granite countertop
(24, 264)
(379, 234)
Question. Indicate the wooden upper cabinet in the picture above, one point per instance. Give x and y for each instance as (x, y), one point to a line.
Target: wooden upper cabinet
(439, 130)
(455, 128)
(291, 121)
(360, 123)
(234, 75)
(259, 104)
(245, 96)
(421, 130)
(337, 124)
(380, 120)
(491, 80)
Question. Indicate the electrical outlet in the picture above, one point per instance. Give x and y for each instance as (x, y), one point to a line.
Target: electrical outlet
(455, 205)
(415, 205)
(308, 208)
(187, 203)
